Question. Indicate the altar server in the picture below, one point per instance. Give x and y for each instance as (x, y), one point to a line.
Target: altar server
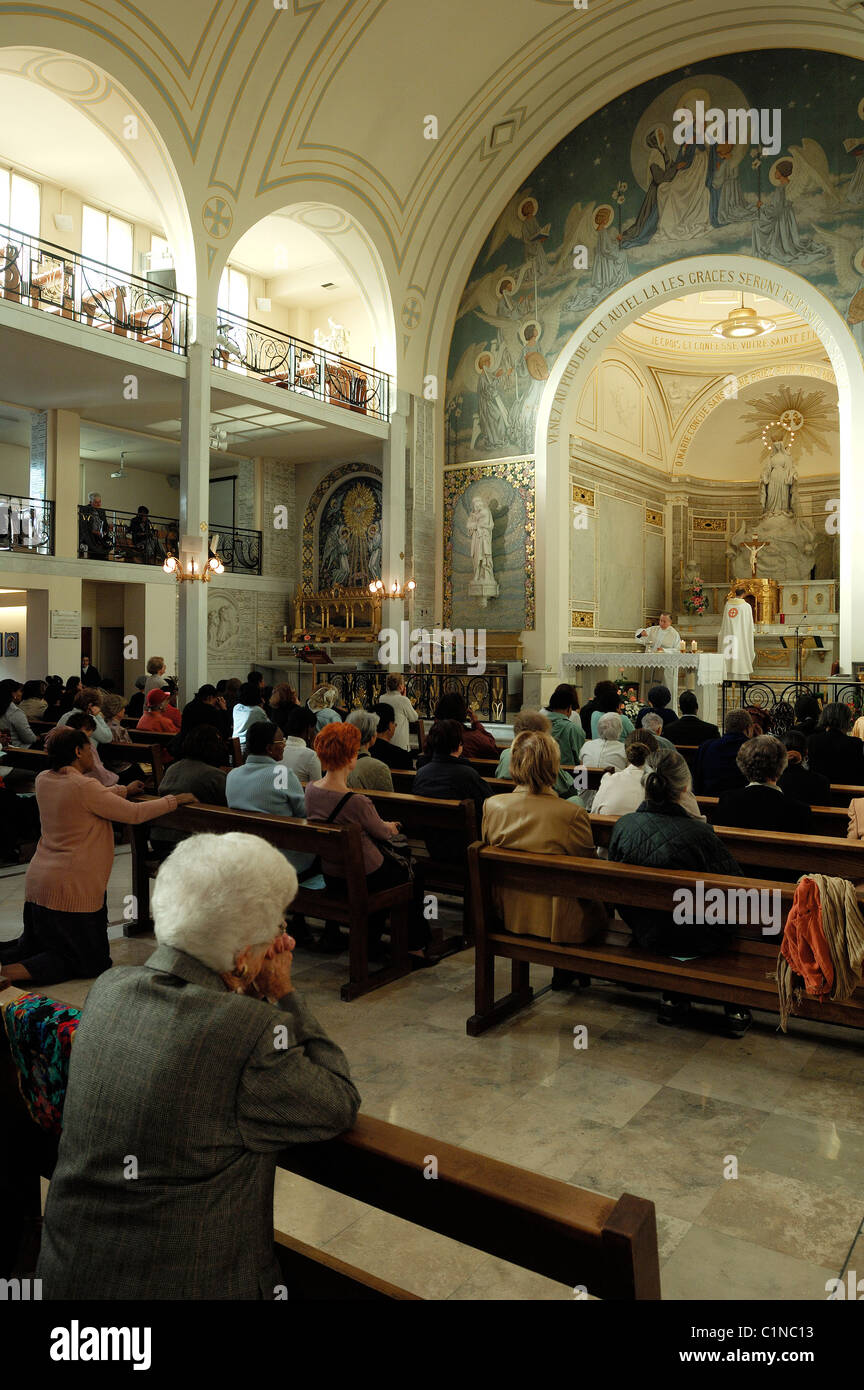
(736, 637)
(663, 637)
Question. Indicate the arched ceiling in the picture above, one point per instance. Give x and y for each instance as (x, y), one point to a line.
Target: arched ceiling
(277, 104)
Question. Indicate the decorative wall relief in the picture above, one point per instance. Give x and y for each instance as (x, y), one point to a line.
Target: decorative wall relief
(622, 189)
(489, 547)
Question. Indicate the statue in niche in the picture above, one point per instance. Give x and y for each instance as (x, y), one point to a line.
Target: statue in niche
(480, 525)
(790, 542)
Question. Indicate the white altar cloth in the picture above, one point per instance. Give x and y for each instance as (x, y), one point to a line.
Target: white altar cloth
(709, 668)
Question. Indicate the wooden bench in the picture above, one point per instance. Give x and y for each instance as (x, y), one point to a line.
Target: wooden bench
(741, 974)
(563, 1232)
(340, 844)
(422, 815)
(36, 759)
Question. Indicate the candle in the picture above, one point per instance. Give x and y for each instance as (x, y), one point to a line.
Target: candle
(693, 646)
(284, 633)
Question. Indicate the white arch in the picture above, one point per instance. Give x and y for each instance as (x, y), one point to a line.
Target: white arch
(581, 353)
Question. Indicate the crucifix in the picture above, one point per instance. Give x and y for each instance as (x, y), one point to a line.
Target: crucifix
(754, 553)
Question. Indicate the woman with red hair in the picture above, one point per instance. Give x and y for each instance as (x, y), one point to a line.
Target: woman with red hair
(332, 800)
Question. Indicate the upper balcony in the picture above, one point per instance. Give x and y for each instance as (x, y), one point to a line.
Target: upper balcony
(52, 280)
(289, 363)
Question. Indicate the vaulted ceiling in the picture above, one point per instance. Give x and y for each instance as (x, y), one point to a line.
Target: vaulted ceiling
(417, 118)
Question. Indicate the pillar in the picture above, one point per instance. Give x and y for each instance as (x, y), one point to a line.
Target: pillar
(393, 513)
(194, 514)
(63, 479)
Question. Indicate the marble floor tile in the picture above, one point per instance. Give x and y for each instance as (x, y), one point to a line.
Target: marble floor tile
(790, 1216)
(709, 1265)
(812, 1151)
(591, 1093)
(839, 1102)
(648, 1051)
(495, 1280)
(525, 1134)
(709, 1126)
(679, 1181)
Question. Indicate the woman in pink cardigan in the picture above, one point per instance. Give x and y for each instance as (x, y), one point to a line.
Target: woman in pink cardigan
(65, 911)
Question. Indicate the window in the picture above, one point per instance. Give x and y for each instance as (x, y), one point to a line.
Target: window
(19, 202)
(234, 292)
(161, 256)
(106, 239)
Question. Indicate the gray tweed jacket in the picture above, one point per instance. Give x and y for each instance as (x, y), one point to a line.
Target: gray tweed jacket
(180, 1095)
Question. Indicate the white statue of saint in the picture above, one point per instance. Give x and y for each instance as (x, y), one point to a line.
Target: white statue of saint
(479, 526)
(778, 480)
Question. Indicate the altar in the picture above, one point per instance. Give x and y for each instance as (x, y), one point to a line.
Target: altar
(659, 668)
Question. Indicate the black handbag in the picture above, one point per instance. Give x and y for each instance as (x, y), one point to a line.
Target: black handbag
(400, 853)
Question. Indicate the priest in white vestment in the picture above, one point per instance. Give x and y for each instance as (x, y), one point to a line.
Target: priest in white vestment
(736, 637)
(662, 637)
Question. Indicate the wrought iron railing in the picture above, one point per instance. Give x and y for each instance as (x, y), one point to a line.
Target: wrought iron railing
(238, 548)
(107, 534)
(27, 524)
(47, 277)
(486, 695)
(281, 360)
(777, 699)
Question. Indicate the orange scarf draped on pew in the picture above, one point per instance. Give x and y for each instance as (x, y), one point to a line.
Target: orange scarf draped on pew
(823, 943)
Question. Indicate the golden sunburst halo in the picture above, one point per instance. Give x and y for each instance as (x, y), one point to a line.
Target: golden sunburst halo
(358, 509)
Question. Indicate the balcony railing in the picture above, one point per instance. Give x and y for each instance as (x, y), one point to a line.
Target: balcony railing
(56, 281)
(26, 524)
(293, 365)
(106, 534)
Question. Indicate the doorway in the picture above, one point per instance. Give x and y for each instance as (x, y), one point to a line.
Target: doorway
(111, 655)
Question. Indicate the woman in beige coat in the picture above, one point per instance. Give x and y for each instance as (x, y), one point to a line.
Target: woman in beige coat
(533, 818)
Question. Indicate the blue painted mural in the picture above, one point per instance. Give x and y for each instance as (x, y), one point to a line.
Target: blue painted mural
(349, 535)
(638, 185)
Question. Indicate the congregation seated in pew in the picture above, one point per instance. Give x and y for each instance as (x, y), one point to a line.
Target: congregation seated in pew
(717, 767)
(333, 802)
(300, 727)
(534, 819)
(798, 780)
(12, 721)
(659, 698)
(532, 719)
(762, 804)
(832, 751)
(562, 712)
(386, 749)
(369, 774)
(662, 834)
(154, 720)
(264, 783)
(477, 742)
(689, 730)
(99, 772)
(654, 724)
(198, 770)
(606, 751)
(89, 700)
(199, 1076)
(448, 776)
(33, 703)
(621, 792)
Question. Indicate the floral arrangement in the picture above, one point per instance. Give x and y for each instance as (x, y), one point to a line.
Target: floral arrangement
(629, 698)
(697, 600)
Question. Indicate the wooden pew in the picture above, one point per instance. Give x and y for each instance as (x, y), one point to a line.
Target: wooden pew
(562, 1232)
(741, 974)
(36, 759)
(340, 844)
(419, 815)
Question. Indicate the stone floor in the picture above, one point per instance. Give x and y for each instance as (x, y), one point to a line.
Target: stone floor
(665, 1114)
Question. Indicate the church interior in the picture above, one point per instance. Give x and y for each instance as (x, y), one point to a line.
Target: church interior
(431, 866)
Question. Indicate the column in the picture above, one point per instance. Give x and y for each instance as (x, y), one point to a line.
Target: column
(393, 508)
(63, 479)
(194, 514)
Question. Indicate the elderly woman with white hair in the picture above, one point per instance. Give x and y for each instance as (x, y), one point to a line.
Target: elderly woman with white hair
(188, 1075)
(607, 749)
(370, 774)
